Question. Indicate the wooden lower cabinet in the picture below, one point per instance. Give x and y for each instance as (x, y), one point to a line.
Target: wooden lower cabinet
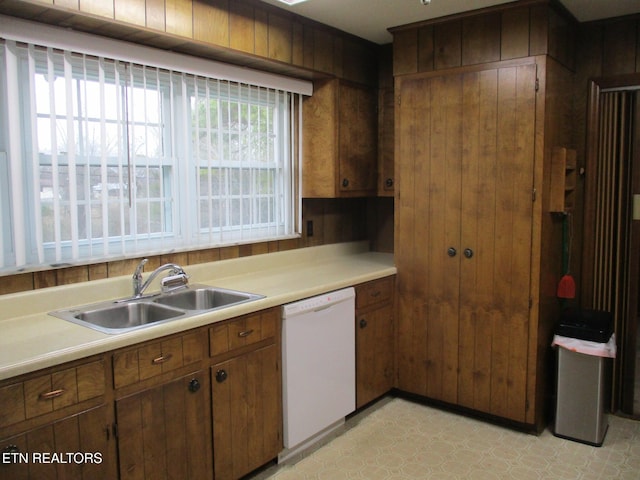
(76, 447)
(247, 400)
(374, 340)
(164, 432)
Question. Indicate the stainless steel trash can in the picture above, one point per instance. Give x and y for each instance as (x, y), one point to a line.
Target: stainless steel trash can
(582, 402)
(586, 343)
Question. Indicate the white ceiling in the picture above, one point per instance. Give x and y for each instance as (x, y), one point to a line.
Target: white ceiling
(370, 19)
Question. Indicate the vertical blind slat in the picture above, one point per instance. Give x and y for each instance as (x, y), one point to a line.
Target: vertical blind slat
(71, 156)
(15, 152)
(55, 174)
(35, 160)
(104, 171)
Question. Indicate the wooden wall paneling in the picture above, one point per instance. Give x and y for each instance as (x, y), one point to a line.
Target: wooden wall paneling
(297, 40)
(405, 52)
(481, 39)
(261, 32)
(618, 58)
(101, 8)
(322, 50)
(425, 49)
(561, 39)
(211, 22)
(354, 62)
(338, 57)
(447, 45)
(130, 11)
(638, 47)
(308, 47)
(241, 27)
(280, 38)
(515, 34)
(156, 14)
(539, 30)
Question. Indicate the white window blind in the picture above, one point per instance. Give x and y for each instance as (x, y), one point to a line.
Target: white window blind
(102, 158)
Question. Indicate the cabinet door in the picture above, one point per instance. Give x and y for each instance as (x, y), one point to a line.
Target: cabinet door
(464, 225)
(247, 412)
(357, 139)
(496, 226)
(427, 228)
(81, 443)
(164, 432)
(374, 354)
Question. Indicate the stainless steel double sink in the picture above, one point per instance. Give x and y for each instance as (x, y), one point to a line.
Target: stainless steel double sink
(119, 316)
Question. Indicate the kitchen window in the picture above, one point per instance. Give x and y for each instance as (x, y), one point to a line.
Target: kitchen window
(103, 157)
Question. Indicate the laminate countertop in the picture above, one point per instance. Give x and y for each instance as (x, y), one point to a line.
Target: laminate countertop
(31, 339)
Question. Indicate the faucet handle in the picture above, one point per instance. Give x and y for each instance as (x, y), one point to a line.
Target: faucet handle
(140, 267)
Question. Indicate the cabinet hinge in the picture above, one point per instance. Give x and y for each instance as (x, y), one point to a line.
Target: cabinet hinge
(533, 195)
(399, 100)
(537, 84)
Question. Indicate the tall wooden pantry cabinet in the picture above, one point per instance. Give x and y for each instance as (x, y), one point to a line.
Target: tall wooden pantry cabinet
(476, 248)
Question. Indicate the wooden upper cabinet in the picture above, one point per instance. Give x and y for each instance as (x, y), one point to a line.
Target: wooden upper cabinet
(340, 141)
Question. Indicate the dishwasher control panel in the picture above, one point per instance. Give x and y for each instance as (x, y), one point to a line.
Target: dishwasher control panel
(318, 302)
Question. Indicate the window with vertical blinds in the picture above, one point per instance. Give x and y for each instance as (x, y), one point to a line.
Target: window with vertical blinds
(103, 158)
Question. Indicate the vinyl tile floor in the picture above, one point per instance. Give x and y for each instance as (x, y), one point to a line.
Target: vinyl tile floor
(399, 439)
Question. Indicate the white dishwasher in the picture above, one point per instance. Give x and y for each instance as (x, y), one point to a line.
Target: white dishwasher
(318, 367)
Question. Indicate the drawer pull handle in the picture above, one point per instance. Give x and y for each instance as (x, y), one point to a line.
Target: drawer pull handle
(51, 394)
(161, 359)
(375, 294)
(245, 333)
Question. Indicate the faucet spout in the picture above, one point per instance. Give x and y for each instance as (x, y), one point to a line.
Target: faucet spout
(177, 278)
(137, 278)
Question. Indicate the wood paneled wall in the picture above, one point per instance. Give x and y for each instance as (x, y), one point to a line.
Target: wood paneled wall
(518, 30)
(245, 32)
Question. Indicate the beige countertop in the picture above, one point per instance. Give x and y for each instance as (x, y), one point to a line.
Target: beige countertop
(32, 339)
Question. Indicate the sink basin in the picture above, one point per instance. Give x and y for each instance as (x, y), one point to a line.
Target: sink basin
(204, 298)
(120, 317)
(133, 313)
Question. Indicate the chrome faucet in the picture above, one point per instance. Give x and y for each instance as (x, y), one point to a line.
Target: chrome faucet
(176, 279)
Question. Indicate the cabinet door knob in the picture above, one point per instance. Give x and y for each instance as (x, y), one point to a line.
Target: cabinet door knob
(10, 450)
(221, 376)
(363, 323)
(468, 252)
(389, 182)
(452, 252)
(345, 182)
(194, 385)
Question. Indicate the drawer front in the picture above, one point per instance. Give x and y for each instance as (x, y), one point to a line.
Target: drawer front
(229, 335)
(155, 358)
(48, 393)
(374, 292)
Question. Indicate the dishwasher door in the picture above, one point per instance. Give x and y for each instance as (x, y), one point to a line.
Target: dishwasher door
(319, 369)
